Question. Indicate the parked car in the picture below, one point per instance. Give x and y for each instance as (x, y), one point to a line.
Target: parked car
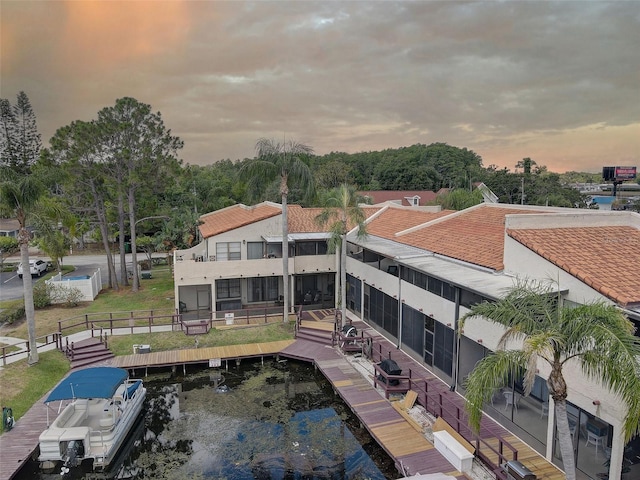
(36, 266)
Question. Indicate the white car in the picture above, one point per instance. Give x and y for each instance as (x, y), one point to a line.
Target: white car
(37, 268)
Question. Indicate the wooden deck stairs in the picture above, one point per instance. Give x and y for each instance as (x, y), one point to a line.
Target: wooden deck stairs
(316, 331)
(87, 352)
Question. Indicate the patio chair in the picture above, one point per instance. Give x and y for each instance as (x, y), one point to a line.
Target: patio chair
(510, 399)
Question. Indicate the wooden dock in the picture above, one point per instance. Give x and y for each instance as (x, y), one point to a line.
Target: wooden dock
(193, 356)
(393, 431)
(410, 450)
(490, 430)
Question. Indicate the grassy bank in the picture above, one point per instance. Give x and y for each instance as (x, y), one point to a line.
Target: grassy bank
(121, 344)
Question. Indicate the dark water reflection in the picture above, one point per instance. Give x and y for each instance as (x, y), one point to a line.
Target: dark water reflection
(280, 420)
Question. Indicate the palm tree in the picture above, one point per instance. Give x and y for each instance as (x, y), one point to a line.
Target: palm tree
(19, 198)
(283, 162)
(595, 336)
(342, 209)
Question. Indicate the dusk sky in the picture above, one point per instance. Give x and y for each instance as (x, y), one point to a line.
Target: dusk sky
(558, 82)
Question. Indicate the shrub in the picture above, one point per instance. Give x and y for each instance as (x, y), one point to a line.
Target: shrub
(70, 296)
(41, 295)
(12, 314)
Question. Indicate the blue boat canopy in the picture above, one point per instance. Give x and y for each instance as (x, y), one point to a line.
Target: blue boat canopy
(97, 382)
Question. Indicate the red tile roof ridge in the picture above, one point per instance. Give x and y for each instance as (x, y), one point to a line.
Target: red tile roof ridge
(443, 218)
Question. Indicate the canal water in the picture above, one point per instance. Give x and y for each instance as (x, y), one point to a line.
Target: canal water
(279, 420)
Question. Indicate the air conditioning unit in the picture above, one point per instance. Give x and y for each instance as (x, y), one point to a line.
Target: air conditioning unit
(517, 471)
(142, 349)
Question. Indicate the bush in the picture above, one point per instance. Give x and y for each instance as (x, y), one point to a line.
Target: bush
(12, 314)
(70, 296)
(9, 266)
(41, 295)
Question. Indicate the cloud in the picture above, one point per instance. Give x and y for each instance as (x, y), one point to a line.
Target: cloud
(505, 79)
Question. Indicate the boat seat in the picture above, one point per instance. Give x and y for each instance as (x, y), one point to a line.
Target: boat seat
(106, 422)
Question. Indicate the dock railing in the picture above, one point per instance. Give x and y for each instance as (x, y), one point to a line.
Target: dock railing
(433, 396)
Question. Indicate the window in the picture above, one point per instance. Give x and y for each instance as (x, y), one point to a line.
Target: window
(443, 348)
(311, 248)
(469, 299)
(354, 291)
(448, 292)
(274, 250)
(390, 314)
(255, 250)
(228, 251)
(381, 309)
(371, 257)
(263, 289)
(434, 286)
(228, 288)
(407, 274)
(429, 326)
(413, 329)
(420, 280)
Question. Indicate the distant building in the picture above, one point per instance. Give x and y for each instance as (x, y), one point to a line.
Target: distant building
(9, 227)
(407, 198)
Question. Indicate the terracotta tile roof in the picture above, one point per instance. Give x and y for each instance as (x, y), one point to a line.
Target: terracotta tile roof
(303, 220)
(381, 196)
(475, 235)
(606, 258)
(394, 220)
(236, 216)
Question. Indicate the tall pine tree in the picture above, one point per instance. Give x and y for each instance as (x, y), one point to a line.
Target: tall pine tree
(19, 138)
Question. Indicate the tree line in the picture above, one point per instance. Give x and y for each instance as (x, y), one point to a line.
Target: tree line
(120, 176)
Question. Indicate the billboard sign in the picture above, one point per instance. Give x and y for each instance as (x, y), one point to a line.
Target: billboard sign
(625, 173)
(618, 173)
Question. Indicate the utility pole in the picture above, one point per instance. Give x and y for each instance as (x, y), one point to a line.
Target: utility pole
(522, 191)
